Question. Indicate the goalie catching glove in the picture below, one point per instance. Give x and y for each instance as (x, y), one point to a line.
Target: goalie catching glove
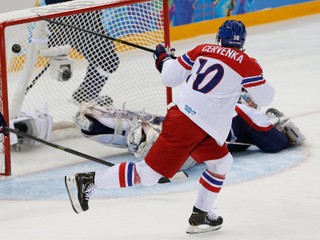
(142, 136)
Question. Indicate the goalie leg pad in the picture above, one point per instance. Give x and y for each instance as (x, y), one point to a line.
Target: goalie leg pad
(294, 134)
(107, 128)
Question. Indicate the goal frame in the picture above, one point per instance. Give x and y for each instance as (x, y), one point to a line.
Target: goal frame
(4, 103)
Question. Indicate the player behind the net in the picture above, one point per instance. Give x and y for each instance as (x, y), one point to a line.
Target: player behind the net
(197, 124)
(99, 52)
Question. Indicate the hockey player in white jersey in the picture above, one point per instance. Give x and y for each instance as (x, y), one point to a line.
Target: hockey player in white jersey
(99, 52)
(197, 124)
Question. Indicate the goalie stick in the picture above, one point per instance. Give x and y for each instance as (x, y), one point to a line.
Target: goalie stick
(178, 175)
(239, 143)
(97, 34)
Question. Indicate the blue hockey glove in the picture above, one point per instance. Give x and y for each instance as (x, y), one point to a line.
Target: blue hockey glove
(3, 125)
(160, 55)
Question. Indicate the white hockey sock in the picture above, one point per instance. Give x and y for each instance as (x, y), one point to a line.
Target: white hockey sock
(119, 176)
(208, 190)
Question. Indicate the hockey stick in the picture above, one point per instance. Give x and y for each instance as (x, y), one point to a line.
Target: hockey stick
(238, 143)
(34, 81)
(74, 152)
(97, 34)
(178, 175)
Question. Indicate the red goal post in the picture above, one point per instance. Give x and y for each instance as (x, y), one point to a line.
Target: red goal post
(80, 67)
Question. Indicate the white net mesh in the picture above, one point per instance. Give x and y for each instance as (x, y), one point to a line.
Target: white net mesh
(96, 69)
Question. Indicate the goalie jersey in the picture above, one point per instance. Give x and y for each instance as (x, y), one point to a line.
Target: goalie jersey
(211, 78)
(254, 127)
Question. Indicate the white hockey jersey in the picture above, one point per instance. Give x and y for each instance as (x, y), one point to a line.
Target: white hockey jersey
(256, 118)
(211, 78)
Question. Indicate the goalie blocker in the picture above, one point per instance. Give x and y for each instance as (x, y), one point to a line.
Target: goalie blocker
(37, 124)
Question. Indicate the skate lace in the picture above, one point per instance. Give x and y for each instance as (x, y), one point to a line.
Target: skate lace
(212, 216)
(89, 191)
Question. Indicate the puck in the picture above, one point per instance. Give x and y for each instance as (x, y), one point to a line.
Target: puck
(16, 48)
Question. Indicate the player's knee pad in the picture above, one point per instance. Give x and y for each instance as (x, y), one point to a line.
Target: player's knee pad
(220, 166)
(148, 176)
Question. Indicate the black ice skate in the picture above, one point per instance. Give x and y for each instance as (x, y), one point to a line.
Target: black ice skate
(80, 188)
(201, 222)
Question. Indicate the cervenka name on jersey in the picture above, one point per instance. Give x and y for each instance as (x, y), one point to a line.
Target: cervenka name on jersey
(227, 52)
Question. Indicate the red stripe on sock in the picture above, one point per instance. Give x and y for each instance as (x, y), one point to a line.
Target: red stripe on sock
(122, 175)
(208, 186)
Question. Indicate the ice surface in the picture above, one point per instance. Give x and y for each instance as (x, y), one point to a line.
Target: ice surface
(266, 196)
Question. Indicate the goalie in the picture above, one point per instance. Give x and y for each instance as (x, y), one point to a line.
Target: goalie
(271, 131)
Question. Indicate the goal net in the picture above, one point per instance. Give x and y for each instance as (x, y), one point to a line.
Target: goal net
(53, 68)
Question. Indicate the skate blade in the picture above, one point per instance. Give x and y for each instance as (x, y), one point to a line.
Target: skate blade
(202, 229)
(71, 187)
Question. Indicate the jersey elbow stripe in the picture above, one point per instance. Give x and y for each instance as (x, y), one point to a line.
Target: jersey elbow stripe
(185, 61)
(253, 80)
(254, 84)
